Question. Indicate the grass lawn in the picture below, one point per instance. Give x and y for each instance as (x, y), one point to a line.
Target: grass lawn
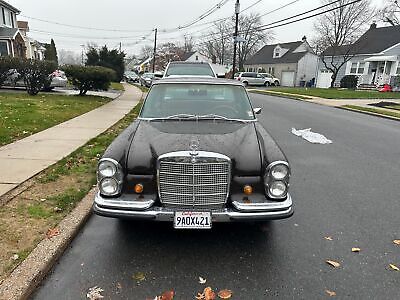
(337, 93)
(22, 115)
(25, 220)
(374, 110)
(117, 86)
(141, 87)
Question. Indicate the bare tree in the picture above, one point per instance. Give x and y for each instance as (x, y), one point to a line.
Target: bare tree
(338, 30)
(253, 38)
(188, 43)
(390, 13)
(146, 51)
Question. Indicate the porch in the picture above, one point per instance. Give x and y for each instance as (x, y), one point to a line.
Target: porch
(380, 70)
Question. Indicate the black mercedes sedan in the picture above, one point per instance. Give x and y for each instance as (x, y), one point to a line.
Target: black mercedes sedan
(195, 155)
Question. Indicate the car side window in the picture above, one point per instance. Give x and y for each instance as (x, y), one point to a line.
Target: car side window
(259, 76)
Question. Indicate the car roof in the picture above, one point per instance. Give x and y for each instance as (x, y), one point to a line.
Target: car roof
(201, 80)
(189, 63)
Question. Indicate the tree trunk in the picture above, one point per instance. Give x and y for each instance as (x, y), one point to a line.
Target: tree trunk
(333, 77)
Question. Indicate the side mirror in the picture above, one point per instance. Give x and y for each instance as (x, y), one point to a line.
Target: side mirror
(257, 110)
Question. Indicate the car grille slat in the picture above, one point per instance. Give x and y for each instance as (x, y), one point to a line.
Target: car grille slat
(185, 182)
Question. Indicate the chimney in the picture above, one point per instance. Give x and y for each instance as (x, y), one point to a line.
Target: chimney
(304, 39)
(373, 25)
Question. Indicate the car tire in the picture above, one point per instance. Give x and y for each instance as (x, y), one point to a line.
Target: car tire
(276, 83)
(266, 84)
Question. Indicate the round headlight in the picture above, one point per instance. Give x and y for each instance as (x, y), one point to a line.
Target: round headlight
(108, 186)
(279, 172)
(277, 188)
(107, 168)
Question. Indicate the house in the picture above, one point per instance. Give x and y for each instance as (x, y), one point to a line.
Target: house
(374, 58)
(34, 49)
(294, 63)
(11, 41)
(196, 56)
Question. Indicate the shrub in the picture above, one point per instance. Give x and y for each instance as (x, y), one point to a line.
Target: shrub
(8, 65)
(36, 74)
(349, 81)
(86, 78)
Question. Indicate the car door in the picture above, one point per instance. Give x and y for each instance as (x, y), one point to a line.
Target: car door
(259, 79)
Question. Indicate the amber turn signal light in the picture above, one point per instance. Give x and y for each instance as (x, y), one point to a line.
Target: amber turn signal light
(248, 190)
(139, 188)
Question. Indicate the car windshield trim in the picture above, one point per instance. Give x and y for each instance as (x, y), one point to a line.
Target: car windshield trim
(197, 118)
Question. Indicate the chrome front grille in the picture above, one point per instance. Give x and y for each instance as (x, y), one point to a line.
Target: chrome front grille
(184, 180)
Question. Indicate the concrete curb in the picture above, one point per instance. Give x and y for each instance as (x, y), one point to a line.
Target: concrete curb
(369, 113)
(27, 276)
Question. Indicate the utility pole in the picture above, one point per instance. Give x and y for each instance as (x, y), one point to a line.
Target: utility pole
(120, 47)
(155, 49)
(82, 57)
(235, 40)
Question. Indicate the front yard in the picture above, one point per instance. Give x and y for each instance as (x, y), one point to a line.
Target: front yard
(53, 194)
(22, 115)
(336, 93)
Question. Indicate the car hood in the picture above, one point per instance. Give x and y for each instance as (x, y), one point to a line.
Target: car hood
(236, 140)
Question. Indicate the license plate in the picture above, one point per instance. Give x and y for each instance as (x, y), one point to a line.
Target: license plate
(192, 220)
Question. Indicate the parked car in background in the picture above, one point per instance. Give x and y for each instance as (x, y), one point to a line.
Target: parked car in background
(58, 79)
(131, 76)
(195, 155)
(146, 79)
(183, 68)
(252, 78)
(272, 79)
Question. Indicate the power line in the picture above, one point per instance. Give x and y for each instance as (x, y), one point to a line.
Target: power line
(85, 37)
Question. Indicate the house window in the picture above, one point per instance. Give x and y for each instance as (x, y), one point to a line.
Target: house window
(3, 48)
(353, 69)
(197, 57)
(361, 66)
(12, 20)
(3, 15)
(277, 54)
(398, 68)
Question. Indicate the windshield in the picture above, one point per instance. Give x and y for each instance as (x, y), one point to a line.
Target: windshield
(148, 75)
(189, 69)
(197, 100)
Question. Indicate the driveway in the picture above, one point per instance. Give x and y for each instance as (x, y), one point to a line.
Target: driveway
(346, 195)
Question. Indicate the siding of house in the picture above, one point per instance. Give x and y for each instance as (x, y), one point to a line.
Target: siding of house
(343, 69)
(393, 51)
(307, 68)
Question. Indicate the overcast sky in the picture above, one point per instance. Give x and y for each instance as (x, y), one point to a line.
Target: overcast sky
(129, 21)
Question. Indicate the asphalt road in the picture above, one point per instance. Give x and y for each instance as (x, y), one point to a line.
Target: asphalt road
(348, 190)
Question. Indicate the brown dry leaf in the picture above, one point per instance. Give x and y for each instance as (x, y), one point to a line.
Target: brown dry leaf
(200, 296)
(329, 238)
(333, 263)
(225, 294)
(52, 233)
(209, 294)
(394, 267)
(397, 242)
(139, 276)
(167, 295)
(94, 293)
(330, 293)
(355, 249)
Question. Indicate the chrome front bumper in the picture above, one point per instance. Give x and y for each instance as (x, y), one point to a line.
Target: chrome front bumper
(145, 210)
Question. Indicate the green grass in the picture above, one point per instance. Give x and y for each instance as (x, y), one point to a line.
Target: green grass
(141, 87)
(337, 93)
(374, 110)
(117, 86)
(266, 92)
(22, 115)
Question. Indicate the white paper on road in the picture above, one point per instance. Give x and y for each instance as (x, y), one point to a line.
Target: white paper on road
(312, 137)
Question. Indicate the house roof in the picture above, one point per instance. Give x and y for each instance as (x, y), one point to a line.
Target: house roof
(375, 40)
(186, 55)
(266, 54)
(9, 6)
(8, 33)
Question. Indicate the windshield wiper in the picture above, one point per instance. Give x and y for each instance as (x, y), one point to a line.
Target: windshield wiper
(218, 117)
(178, 116)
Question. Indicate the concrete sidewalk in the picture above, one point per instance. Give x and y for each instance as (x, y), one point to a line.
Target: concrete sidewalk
(25, 158)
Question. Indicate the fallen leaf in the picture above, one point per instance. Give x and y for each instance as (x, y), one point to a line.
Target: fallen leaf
(57, 209)
(333, 263)
(394, 267)
(225, 294)
(15, 257)
(139, 276)
(95, 293)
(397, 242)
(202, 280)
(119, 285)
(52, 233)
(355, 249)
(329, 238)
(200, 296)
(209, 294)
(168, 295)
(330, 293)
